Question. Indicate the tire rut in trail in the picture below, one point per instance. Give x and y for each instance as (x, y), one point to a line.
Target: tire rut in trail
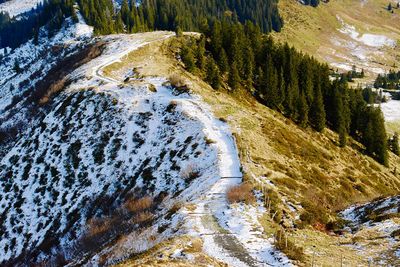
(233, 247)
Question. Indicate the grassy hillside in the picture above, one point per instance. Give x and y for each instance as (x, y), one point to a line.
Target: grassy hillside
(316, 31)
(308, 170)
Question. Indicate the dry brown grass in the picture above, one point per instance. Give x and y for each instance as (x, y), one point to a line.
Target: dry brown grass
(241, 193)
(97, 226)
(138, 205)
(177, 80)
(142, 217)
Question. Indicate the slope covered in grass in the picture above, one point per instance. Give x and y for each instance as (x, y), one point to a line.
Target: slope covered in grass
(312, 176)
(344, 32)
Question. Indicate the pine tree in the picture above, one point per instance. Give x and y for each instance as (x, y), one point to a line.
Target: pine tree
(302, 111)
(234, 78)
(395, 144)
(125, 12)
(119, 25)
(16, 67)
(200, 53)
(178, 31)
(248, 67)
(188, 58)
(342, 136)
(213, 76)
(223, 63)
(317, 111)
(374, 135)
(270, 84)
(216, 39)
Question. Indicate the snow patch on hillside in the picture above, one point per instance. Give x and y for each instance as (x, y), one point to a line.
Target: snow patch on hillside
(391, 110)
(17, 7)
(373, 40)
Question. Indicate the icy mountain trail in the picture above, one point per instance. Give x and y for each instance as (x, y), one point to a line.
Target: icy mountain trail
(212, 206)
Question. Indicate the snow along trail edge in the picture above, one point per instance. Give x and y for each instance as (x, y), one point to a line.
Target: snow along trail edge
(211, 207)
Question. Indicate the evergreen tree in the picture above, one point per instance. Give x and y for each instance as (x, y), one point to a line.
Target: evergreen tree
(16, 67)
(178, 31)
(342, 136)
(188, 58)
(394, 144)
(223, 61)
(302, 111)
(374, 136)
(234, 78)
(119, 25)
(248, 65)
(213, 76)
(125, 12)
(200, 53)
(317, 111)
(270, 85)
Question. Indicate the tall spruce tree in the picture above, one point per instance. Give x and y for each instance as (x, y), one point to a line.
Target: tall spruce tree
(394, 144)
(234, 77)
(317, 111)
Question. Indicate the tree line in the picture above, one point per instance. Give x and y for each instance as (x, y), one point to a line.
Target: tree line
(189, 15)
(286, 80)
(16, 31)
(389, 80)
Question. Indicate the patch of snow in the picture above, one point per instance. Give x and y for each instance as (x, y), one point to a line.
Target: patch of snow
(373, 40)
(391, 110)
(17, 7)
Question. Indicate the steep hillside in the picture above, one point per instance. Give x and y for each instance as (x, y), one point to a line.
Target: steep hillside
(114, 164)
(345, 33)
(312, 175)
(17, 7)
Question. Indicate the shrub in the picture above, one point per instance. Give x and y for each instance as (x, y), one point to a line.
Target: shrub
(138, 205)
(336, 225)
(190, 173)
(241, 193)
(209, 141)
(284, 244)
(174, 209)
(177, 81)
(313, 214)
(152, 88)
(395, 233)
(179, 84)
(142, 217)
(172, 106)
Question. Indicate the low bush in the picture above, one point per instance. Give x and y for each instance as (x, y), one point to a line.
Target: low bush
(177, 81)
(313, 214)
(143, 217)
(241, 193)
(138, 205)
(190, 173)
(284, 244)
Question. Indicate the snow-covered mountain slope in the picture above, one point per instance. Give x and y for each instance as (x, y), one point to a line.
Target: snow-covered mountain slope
(17, 7)
(97, 144)
(40, 65)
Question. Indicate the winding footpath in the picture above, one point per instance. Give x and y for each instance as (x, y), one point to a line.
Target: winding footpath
(203, 221)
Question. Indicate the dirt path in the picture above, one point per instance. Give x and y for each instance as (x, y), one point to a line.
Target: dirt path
(218, 242)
